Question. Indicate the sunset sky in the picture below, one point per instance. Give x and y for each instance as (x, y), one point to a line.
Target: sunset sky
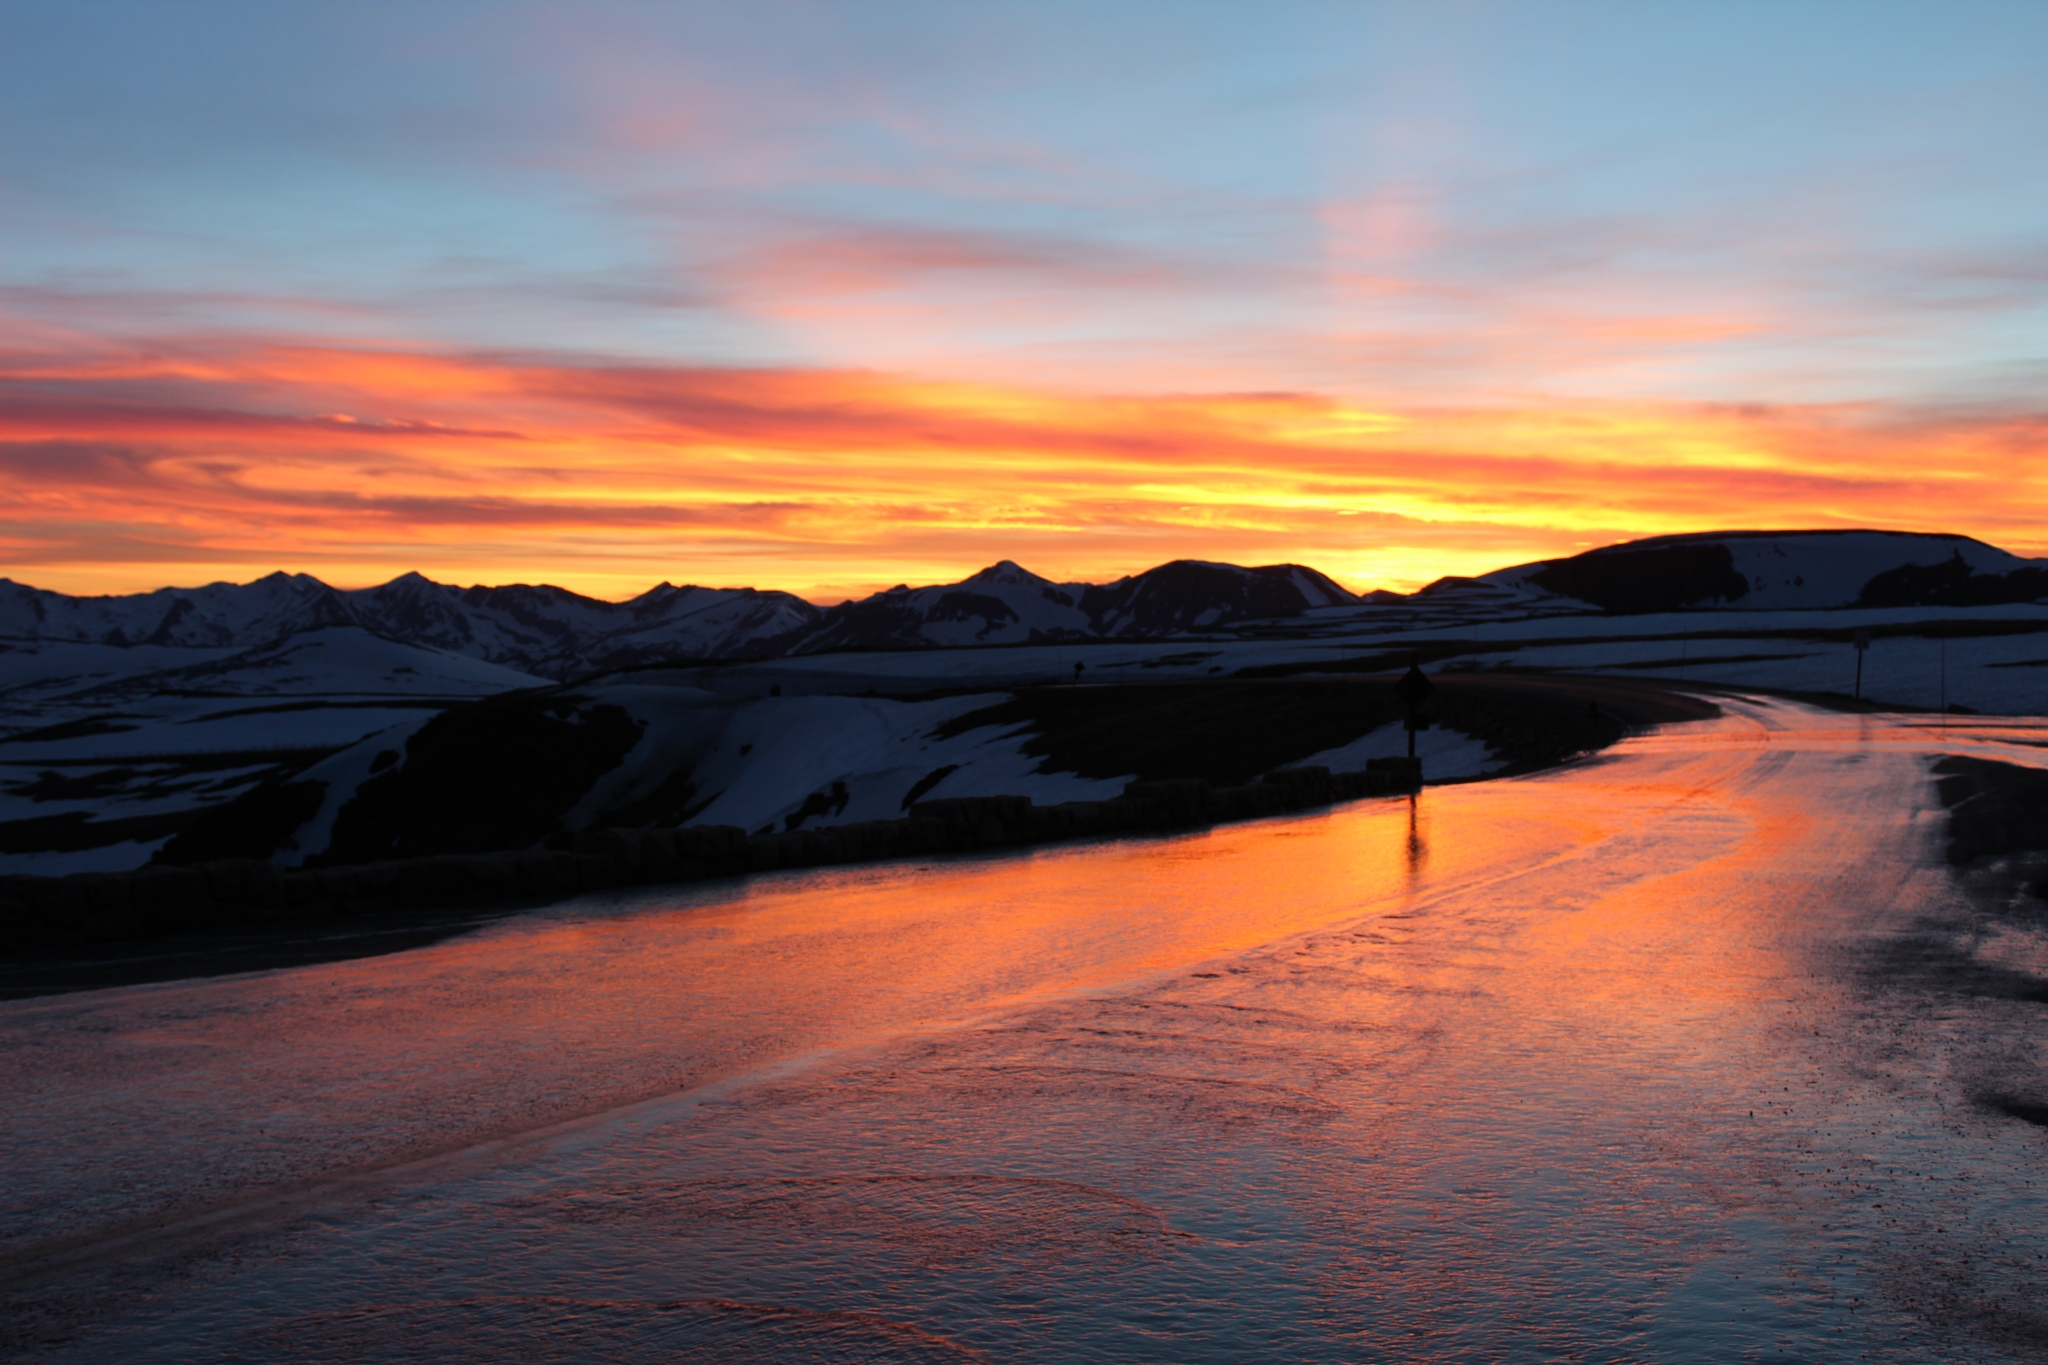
(826, 297)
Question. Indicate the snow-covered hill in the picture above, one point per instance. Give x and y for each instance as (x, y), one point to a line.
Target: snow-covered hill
(651, 750)
(628, 754)
(1779, 570)
(106, 750)
(1190, 595)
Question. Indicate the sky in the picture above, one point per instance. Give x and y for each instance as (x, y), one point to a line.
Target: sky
(830, 296)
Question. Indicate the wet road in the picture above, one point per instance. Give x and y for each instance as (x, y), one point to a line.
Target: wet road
(1683, 1053)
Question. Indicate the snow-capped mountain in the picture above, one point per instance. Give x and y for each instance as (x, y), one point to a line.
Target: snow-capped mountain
(1003, 604)
(1191, 595)
(1008, 604)
(553, 633)
(556, 633)
(1778, 570)
(536, 629)
(219, 614)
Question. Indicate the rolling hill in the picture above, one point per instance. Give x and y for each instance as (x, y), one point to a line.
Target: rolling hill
(1781, 570)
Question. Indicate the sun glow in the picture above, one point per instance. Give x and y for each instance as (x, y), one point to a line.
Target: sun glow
(130, 470)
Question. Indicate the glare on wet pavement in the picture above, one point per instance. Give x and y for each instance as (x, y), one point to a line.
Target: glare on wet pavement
(1606, 1063)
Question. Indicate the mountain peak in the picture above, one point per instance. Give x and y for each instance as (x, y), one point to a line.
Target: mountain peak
(1007, 571)
(411, 578)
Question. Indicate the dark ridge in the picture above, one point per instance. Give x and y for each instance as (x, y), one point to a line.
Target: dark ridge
(76, 831)
(672, 803)
(1170, 598)
(1628, 580)
(51, 785)
(1228, 732)
(492, 775)
(206, 761)
(83, 728)
(1696, 537)
(1952, 583)
(408, 703)
(923, 785)
(255, 824)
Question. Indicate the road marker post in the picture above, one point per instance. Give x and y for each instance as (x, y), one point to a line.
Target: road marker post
(1414, 689)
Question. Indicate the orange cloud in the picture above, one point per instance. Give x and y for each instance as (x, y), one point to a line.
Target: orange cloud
(126, 468)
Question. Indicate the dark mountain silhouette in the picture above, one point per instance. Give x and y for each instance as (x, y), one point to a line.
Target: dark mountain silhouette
(1647, 578)
(1008, 604)
(1781, 570)
(1190, 595)
(1953, 583)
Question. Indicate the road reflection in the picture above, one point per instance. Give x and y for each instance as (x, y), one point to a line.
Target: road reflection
(1417, 847)
(1617, 1062)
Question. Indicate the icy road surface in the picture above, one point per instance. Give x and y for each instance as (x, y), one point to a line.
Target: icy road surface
(1685, 1053)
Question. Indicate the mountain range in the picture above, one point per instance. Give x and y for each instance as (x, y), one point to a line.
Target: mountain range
(552, 632)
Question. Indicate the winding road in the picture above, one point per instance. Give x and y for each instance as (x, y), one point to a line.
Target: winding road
(1683, 1052)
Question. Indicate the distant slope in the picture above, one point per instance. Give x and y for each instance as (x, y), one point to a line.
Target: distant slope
(1780, 570)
